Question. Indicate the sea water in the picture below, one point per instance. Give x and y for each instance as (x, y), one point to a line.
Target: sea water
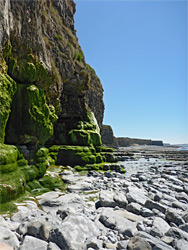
(183, 147)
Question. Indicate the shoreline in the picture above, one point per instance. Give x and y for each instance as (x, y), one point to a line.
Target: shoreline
(109, 210)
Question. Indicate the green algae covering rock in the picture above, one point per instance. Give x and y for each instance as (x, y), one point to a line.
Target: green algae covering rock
(75, 155)
(31, 120)
(12, 179)
(83, 157)
(7, 90)
(87, 132)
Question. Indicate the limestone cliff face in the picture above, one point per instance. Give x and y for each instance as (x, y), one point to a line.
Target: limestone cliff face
(39, 48)
(51, 101)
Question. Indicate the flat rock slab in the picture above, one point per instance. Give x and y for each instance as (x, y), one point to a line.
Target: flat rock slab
(160, 227)
(81, 186)
(32, 243)
(152, 204)
(136, 195)
(114, 220)
(61, 200)
(73, 232)
(154, 242)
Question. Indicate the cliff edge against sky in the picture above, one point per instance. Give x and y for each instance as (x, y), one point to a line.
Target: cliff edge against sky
(51, 100)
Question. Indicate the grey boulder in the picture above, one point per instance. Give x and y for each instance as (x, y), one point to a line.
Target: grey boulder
(8, 237)
(73, 232)
(32, 243)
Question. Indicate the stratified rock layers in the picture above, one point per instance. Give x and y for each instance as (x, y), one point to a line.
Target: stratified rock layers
(49, 96)
(39, 47)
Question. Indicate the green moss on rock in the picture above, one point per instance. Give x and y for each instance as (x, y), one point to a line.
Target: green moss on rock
(42, 168)
(7, 90)
(12, 179)
(31, 172)
(51, 183)
(74, 155)
(31, 120)
(8, 154)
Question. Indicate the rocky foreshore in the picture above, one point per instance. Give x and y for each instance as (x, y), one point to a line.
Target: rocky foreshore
(143, 209)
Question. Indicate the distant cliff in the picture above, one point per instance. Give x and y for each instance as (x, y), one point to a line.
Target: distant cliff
(126, 141)
(109, 139)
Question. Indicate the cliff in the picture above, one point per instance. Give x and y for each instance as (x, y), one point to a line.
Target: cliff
(39, 47)
(126, 141)
(110, 140)
(51, 100)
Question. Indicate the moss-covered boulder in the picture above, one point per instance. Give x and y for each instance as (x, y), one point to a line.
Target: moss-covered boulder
(7, 90)
(31, 120)
(12, 179)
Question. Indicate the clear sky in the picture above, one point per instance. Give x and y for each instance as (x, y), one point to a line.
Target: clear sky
(139, 51)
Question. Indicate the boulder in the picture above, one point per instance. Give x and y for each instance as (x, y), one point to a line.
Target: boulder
(73, 232)
(136, 195)
(32, 243)
(159, 228)
(112, 219)
(106, 198)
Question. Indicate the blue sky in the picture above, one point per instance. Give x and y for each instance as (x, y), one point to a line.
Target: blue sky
(139, 51)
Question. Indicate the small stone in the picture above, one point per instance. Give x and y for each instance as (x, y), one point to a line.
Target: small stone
(134, 179)
(106, 198)
(121, 245)
(184, 227)
(120, 200)
(110, 245)
(177, 188)
(94, 243)
(180, 205)
(134, 207)
(181, 244)
(177, 233)
(145, 212)
(142, 178)
(158, 196)
(185, 216)
(159, 228)
(140, 226)
(182, 196)
(168, 240)
(136, 195)
(172, 216)
(52, 246)
(152, 204)
(138, 243)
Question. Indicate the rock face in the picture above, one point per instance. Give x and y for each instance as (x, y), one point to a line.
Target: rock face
(108, 137)
(39, 48)
(126, 141)
(110, 140)
(49, 96)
